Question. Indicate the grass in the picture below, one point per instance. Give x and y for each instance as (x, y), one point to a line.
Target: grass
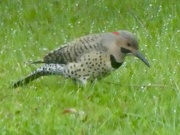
(134, 99)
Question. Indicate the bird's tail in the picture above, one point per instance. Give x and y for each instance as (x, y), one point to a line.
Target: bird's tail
(47, 69)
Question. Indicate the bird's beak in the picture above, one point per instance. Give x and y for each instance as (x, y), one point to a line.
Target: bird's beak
(141, 57)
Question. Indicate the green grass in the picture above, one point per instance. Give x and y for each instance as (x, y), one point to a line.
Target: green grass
(134, 99)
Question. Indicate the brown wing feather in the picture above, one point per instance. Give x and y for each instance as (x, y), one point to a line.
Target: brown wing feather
(72, 51)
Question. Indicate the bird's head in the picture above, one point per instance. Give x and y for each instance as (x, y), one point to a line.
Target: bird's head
(128, 45)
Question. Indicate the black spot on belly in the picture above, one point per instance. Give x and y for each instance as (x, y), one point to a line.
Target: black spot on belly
(114, 63)
(72, 72)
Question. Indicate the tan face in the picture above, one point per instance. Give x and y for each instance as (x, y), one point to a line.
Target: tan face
(129, 45)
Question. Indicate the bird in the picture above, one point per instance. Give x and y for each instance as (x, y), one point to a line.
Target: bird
(87, 58)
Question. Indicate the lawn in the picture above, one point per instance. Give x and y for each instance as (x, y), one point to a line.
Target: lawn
(134, 99)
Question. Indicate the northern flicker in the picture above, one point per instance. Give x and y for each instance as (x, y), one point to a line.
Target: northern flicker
(89, 57)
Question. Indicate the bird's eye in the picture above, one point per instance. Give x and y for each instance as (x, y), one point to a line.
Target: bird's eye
(128, 44)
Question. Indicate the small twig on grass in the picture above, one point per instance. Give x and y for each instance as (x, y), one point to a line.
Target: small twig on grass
(134, 85)
(175, 83)
(138, 20)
